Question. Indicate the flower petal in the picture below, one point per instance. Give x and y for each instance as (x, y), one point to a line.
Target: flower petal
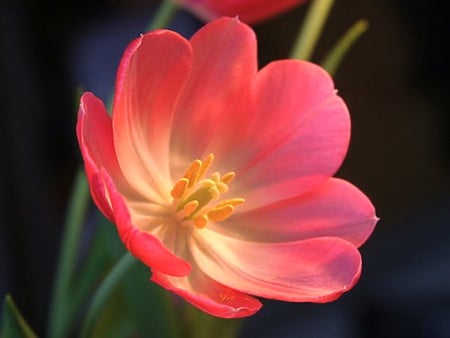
(141, 244)
(335, 209)
(151, 75)
(208, 295)
(297, 137)
(313, 270)
(224, 64)
(94, 132)
(248, 11)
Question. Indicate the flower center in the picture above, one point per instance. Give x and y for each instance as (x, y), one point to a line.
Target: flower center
(197, 199)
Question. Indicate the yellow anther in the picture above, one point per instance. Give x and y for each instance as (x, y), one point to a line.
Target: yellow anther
(179, 188)
(190, 207)
(206, 163)
(200, 221)
(192, 173)
(221, 213)
(197, 199)
(231, 201)
(228, 177)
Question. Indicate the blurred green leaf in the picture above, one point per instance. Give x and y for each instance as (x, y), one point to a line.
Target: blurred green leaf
(201, 325)
(334, 58)
(14, 325)
(311, 29)
(114, 321)
(96, 263)
(150, 305)
(60, 315)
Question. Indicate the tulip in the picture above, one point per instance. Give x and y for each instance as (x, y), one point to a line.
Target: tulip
(249, 11)
(218, 176)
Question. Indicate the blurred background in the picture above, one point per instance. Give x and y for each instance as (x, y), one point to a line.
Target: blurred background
(395, 81)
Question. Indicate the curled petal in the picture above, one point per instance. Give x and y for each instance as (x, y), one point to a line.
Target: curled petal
(335, 209)
(94, 132)
(313, 270)
(209, 295)
(142, 245)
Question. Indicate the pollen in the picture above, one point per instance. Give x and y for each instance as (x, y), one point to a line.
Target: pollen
(197, 199)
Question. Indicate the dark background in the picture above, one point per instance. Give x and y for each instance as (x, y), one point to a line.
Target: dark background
(395, 81)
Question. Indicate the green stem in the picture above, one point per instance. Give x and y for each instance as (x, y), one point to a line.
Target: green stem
(334, 58)
(164, 15)
(58, 316)
(108, 285)
(312, 27)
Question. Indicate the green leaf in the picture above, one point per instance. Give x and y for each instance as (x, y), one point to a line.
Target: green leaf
(59, 318)
(164, 15)
(199, 324)
(14, 325)
(106, 289)
(334, 58)
(311, 29)
(149, 304)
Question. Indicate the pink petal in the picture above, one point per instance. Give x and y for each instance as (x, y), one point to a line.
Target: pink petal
(312, 270)
(249, 11)
(151, 75)
(209, 295)
(223, 66)
(142, 245)
(335, 209)
(94, 132)
(296, 136)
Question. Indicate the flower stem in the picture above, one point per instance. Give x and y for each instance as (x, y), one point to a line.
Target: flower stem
(164, 15)
(334, 58)
(108, 285)
(310, 30)
(58, 316)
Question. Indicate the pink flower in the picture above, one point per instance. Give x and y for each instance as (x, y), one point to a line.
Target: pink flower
(250, 11)
(218, 176)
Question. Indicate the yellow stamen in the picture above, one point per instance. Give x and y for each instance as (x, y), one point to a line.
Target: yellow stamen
(179, 188)
(218, 214)
(194, 194)
(227, 178)
(200, 221)
(192, 173)
(189, 208)
(232, 201)
(205, 165)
